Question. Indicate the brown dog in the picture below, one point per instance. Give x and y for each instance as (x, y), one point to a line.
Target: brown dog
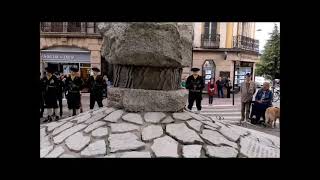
(272, 114)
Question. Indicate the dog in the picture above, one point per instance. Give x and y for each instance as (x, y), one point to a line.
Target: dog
(272, 114)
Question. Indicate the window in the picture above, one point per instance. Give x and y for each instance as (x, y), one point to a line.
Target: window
(74, 27)
(210, 28)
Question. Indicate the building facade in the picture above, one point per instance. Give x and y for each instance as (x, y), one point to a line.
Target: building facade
(226, 49)
(65, 44)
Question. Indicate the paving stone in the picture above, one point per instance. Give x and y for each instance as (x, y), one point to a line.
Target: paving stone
(77, 141)
(181, 116)
(45, 151)
(51, 126)
(95, 118)
(62, 128)
(254, 149)
(195, 125)
(230, 134)
(167, 120)
(62, 136)
(221, 152)
(123, 127)
(211, 124)
(209, 127)
(100, 132)
(44, 142)
(165, 147)
(216, 138)
(133, 118)
(95, 149)
(183, 133)
(67, 156)
(154, 117)
(114, 116)
(94, 126)
(56, 152)
(151, 132)
(125, 141)
(131, 154)
(191, 151)
(82, 118)
(109, 110)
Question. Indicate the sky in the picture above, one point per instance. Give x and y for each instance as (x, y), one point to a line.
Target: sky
(263, 35)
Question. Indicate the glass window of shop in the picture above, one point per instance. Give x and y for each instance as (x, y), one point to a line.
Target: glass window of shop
(208, 70)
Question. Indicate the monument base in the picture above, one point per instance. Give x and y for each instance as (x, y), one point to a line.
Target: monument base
(140, 100)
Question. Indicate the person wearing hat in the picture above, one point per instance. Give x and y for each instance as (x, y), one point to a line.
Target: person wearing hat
(50, 85)
(73, 86)
(247, 90)
(41, 97)
(60, 92)
(96, 86)
(195, 84)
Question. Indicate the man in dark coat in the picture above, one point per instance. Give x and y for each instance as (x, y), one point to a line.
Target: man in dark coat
(60, 92)
(195, 84)
(50, 85)
(41, 97)
(96, 86)
(73, 86)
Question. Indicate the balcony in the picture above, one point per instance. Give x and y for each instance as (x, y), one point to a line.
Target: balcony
(210, 41)
(69, 29)
(246, 43)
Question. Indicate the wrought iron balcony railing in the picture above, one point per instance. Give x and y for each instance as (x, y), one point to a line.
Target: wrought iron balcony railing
(210, 40)
(246, 43)
(68, 27)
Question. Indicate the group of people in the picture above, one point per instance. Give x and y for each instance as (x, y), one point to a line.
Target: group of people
(53, 86)
(263, 99)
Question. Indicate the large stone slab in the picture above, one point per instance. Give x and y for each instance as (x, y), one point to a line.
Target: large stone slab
(43, 132)
(131, 154)
(191, 151)
(100, 110)
(221, 152)
(137, 100)
(114, 116)
(67, 156)
(95, 149)
(196, 116)
(100, 132)
(216, 138)
(165, 147)
(77, 141)
(125, 141)
(181, 116)
(254, 149)
(152, 44)
(151, 132)
(183, 133)
(230, 133)
(44, 151)
(123, 127)
(214, 125)
(133, 118)
(94, 126)
(62, 136)
(44, 141)
(56, 152)
(109, 110)
(95, 118)
(62, 128)
(195, 125)
(154, 117)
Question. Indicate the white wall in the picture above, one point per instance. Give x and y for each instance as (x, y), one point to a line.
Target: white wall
(223, 34)
(197, 34)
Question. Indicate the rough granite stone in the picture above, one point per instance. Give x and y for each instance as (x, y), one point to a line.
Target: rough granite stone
(100, 132)
(114, 116)
(94, 126)
(221, 152)
(77, 142)
(181, 116)
(123, 127)
(216, 138)
(95, 149)
(191, 151)
(195, 125)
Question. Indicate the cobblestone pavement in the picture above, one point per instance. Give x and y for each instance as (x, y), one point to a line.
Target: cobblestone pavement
(114, 133)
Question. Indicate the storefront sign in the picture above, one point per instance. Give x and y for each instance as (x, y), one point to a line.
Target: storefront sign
(65, 57)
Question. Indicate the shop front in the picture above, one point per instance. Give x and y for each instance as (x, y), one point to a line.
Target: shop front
(242, 68)
(61, 59)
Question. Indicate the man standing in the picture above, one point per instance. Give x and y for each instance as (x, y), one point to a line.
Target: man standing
(220, 87)
(73, 85)
(195, 85)
(96, 86)
(247, 90)
(50, 85)
(60, 92)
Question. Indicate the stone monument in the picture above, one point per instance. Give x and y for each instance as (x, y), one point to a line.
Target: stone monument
(144, 117)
